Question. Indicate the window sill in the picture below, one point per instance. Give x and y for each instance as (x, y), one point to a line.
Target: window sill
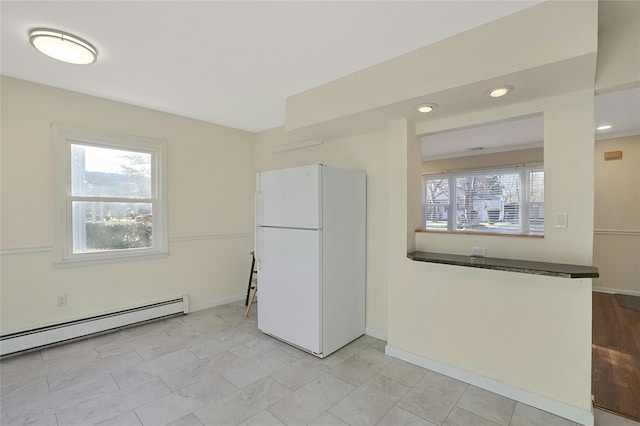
(492, 234)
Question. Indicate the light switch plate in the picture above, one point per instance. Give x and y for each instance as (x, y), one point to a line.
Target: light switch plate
(561, 220)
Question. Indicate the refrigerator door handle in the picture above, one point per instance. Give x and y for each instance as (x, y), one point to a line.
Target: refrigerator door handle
(258, 249)
(259, 208)
(259, 217)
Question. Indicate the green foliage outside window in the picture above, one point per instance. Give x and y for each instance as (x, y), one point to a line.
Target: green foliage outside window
(115, 235)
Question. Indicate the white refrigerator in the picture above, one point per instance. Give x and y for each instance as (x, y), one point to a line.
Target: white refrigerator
(310, 256)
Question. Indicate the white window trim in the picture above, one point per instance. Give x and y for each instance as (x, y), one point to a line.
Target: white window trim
(63, 136)
(523, 169)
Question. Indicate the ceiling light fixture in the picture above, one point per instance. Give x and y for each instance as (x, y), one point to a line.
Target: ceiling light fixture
(605, 127)
(425, 108)
(499, 92)
(63, 46)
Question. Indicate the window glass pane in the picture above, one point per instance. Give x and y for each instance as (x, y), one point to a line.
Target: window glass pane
(535, 202)
(501, 201)
(101, 226)
(436, 203)
(106, 172)
(536, 186)
(488, 202)
(467, 202)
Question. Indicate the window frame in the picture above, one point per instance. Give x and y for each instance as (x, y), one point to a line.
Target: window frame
(63, 136)
(525, 171)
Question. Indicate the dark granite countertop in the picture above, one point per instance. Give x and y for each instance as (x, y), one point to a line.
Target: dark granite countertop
(523, 266)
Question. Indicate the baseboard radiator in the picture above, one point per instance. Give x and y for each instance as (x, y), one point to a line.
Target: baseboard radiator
(44, 336)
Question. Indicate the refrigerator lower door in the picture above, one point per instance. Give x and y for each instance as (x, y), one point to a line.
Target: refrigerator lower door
(289, 280)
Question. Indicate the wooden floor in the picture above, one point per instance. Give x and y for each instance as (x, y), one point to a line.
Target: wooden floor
(616, 357)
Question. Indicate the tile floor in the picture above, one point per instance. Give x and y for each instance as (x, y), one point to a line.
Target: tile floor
(214, 367)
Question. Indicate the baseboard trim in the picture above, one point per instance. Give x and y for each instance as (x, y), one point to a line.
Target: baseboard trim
(616, 290)
(378, 334)
(194, 308)
(578, 415)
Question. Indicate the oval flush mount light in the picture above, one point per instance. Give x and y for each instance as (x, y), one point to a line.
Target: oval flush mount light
(425, 108)
(63, 46)
(499, 92)
(605, 127)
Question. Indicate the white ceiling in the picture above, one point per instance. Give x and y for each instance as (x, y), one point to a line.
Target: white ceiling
(233, 63)
(620, 110)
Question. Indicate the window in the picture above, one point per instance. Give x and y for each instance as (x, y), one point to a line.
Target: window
(502, 201)
(111, 202)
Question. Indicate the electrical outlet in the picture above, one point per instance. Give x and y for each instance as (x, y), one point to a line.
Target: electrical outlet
(478, 251)
(62, 300)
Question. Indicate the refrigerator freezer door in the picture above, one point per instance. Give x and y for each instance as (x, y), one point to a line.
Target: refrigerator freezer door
(290, 198)
(289, 281)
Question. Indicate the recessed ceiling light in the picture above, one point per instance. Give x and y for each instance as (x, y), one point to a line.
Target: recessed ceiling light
(63, 46)
(500, 91)
(425, 108)
(605, 127)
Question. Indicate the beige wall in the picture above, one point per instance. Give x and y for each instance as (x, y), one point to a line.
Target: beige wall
(210, 210)
(487, 323)
(497, 159)
(366, 152)
(616, 247)
(618, 57)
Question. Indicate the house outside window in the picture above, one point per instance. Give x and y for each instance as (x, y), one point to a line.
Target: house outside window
(111, 196)
(502, 201)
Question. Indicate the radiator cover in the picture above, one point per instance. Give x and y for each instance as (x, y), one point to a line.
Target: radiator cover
(43, 336)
